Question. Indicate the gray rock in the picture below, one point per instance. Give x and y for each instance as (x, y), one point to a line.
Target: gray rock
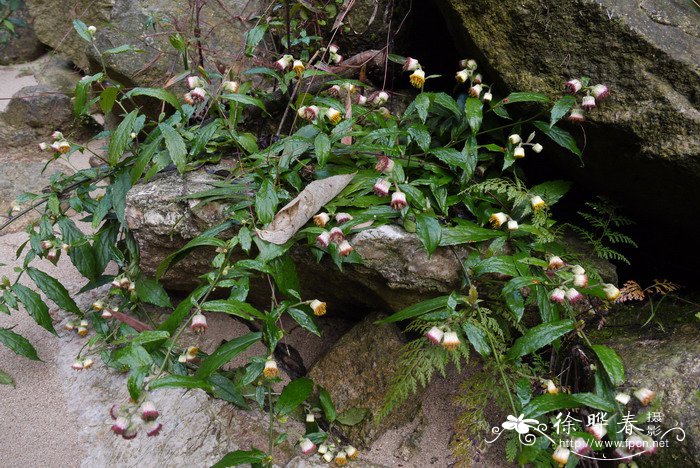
(40, 106)
(646, 133)
(145, 25)
(22, 45)
(358, 372)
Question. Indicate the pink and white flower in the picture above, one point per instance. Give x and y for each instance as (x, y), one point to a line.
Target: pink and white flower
(381, 187)
(307, 446)
(555, 262)
(581, 281)
(434, 335)
(337, 235)
(450, 340)
(321, 219)
(324, 239)
(199, 323)
(576, 115)
(600, 92)
(344, 249)
(573, 86)
(557, 295)
(598, 431)
(561, 455)
(411, 64)
(588, 103)
(148, 411)
(573, 296)
(384, 164)
(341, 218)
(398, 200)
(152, 428)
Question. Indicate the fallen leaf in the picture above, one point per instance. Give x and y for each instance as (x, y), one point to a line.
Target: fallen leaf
(299, 211)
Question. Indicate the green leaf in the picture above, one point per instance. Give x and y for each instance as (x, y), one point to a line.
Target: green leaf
(420, 134)
(150, 336)
(561, 107)
(178, 255)
(546, 403)
(548, 311)
(551, 191)
(134, 383)
(470, 153)
(431, 305)
(82, 30)
(223, 388)
(503, 265)
(539, 336)
(231, 307)
(6, 379)
(477, 338)
(329, 411)
(525, 97)
(247, 100)
(559, 136)
(158, 93)
(121, 184)
(472, 108)
(266, 201)
(151, 291)
(18, 344)
(446, 101)
(422, 103)
(247, 141)
(175, 145)
(429, 231)
(305, 320)
(121, 49)
(450, 156)
(467, 232)
(179, 381)
(121, 138)
(611, 363)
(293, 395)
(81, 252)
(204, 135)
(323, 148)
(352, 416)
(225, 353)
(241, 457)
(107, 99)
(35, 306)
(53, 289)
(253, 38)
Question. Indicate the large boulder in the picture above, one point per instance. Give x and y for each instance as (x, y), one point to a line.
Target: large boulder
(146, 25)
(642, 146)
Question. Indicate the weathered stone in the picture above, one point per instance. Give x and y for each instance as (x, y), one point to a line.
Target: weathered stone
(642, 144)
(358, 372)
(146, 26)
(39, 106)
(21, 45)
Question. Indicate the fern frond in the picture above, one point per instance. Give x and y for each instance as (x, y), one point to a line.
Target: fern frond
(662, 287)
(631, 291)
(619, 238)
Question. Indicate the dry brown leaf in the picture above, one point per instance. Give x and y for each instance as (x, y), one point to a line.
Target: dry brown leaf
(299, 211)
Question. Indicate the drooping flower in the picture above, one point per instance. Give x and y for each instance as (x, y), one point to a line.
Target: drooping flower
(537, 203)
(106, 314)
(318, 307)
(555, 262)
(57, 135)
(435, 335)
(298, 67)
(381, 187)
(344, 249)
(349, 88)
(462, 76)
(341, 218)
(576, 115)
(198, 94)
(148, 411)
(384, 164)
(61, 146)
(581, 281)
(598, 431)
(337, 235)
(588, 103)
(152, 428)
(188, 99)
(487, 97)
(398, 200)
(379, 98)
(77, 365)
(520, 424)
(513, 225)
(307, 446)
(43, 146)
(573, 296)
(333, 48)
(519, 152)
(324, 239)
(270, 370)
(644, 395)
(478, 78)
(411, 64)
(557, 295)
(341, 458)
(328, 456)
(230, 86)
(361, 99)
(467, 63)
(450, 340)
(611, 292)
(283, 63)
(120, 425)
(600, 92)
(130, 432)
(199, 323)
(635, 443)
(334, 91)
(622, 455)
(88, 363)
(578, 270)
(498, 219)
(514, 139)
(475, 90)
(417, 79)
(561, 455)
(573, 86)
(622, 398)
(321, 219)
(551, 388)
(333, 115)
(352, 452)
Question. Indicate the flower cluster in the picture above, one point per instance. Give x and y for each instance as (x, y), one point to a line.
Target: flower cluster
(190, 356)
(593, 96)
(500, 219)
(385, 166)
(468, 75)
(128, 419)
(335, 235)
(289, 62)
(198, 92)
(81, 364)
(571, 277)
(517, 145)
(60, 144)
(443, 336)
(333, 55)
(417, 78)
(329, 452)
(78, 326)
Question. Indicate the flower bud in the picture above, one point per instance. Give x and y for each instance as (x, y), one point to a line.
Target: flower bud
(557, 295)
(57, 135)
(43, 146)
(645, 396)
(555, 263)
(65, 247)
(307, 446)
(318, 307)
(384, 164)
(581, 281)
(498, 219)
(573, 86)
(270, 370)
(488, 97)
(381, 187)
(417, 79)
(611, 292)
(344, 248)
(519, 152)
(561, 455)
(230, 87)
(537, 203)
(622, 398)
(411, 64)
(450, 340)
(573, 296)
(398, 200)
(435, 335)
(321, 219)
(199, 323)
(600, 92)
(337, 235)
(513, 225)
(336, 58)
(310, 418)
(323, 239)
(462, 76)
(588, 103)
(341, 218)
(46, 244)
(537, 148)
(514, 139)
